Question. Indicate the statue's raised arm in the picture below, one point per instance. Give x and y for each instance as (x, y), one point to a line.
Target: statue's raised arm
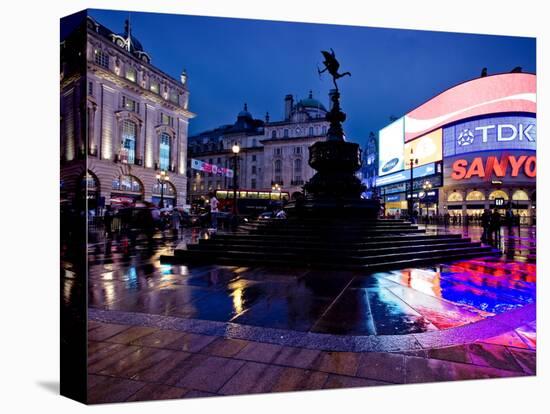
(332, 65)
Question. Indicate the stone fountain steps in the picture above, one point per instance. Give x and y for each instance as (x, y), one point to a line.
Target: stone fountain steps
(320, 252)
(374, 262)
(362, 244)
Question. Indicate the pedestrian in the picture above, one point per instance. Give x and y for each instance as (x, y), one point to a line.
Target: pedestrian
(496, 222)
(176, 221)
(485, 221)
(108, 220)
(214, 211)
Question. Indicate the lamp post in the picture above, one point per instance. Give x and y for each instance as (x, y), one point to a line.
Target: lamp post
(235, 149)
(427, 186)
(162, 177)
(412, 162)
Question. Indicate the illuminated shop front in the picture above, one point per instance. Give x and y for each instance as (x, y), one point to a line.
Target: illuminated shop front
(479, 136)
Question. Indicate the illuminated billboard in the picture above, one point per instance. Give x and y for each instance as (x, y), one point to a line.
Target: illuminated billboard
(418, 172)
(508, 92)
(426, 149)
(482, 167)
(487, 134)
(391, 148)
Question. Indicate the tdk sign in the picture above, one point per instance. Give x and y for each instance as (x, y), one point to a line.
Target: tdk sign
(498, 133)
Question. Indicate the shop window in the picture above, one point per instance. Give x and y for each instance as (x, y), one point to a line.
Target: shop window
(475, 196)
(127, 183)
(129, 136)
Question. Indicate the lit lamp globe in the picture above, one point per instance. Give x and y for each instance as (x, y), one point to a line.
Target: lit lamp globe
(236, 149)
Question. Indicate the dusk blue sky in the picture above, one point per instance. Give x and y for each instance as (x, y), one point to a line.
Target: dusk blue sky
(232, 61)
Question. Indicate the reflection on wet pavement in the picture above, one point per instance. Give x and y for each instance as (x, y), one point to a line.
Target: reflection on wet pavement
(131, 278)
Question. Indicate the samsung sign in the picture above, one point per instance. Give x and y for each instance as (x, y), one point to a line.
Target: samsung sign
(422, 171)
(488, 134)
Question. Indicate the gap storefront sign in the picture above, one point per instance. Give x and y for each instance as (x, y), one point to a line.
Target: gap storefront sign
(490, 134)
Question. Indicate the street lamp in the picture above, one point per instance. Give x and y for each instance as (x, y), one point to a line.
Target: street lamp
(235, 149)
(162, 177)
(427, 186)
(412, 162)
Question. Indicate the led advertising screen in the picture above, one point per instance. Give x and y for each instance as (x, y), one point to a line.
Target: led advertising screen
(508, 92)
(488, 134)
(391, 148)
(426, 149)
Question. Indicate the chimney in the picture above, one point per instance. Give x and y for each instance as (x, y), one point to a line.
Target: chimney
(289, 103)
(331, 93)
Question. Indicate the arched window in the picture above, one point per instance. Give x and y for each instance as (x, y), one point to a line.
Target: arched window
(164, 151)
(90, 181)
(454, 197)
(475, 196)
(127, 183)
(168, 191)
(520, 195)
(498, 194)
(324, 130)
(310, 131)
(278, 166)
(129, 135)
(273, 134)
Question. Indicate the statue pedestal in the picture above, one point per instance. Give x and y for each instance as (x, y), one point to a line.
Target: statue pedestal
(334, 191)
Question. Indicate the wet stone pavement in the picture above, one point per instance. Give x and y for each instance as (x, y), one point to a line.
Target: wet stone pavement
(129, 279)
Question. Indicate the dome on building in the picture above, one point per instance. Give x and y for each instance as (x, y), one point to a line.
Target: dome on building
(311, 102)
(244, 113)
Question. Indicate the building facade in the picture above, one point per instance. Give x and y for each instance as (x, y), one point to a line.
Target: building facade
(124, 116)
(272, 152)
(475, 144)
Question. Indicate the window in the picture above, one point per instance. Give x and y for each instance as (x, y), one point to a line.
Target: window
(310, 131)
(254, 157)
(127, 183)
(165, 119)
(297, 171)
(273, 134)
(131, 74)
(253, 169)
(298, 132)
(454, 197)
(278, 166)
(286, 133)
(297, 150)
(475, 196)
(164, 151)
(324, 130)
(91, 88)
(219, 161)
(218, 185)
(498, 194)
(168, 189)
(155, 87)
(253, 183)
(277, 151)
(254, 142)
(129, 134)
(102, 58)
(520, 195)
(174, 98)
(130, 104)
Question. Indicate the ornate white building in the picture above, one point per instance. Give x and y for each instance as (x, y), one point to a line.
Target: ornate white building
(124, 116)
(272, 152)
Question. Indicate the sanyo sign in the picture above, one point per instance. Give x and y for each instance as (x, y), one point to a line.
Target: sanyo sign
(497, 133)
